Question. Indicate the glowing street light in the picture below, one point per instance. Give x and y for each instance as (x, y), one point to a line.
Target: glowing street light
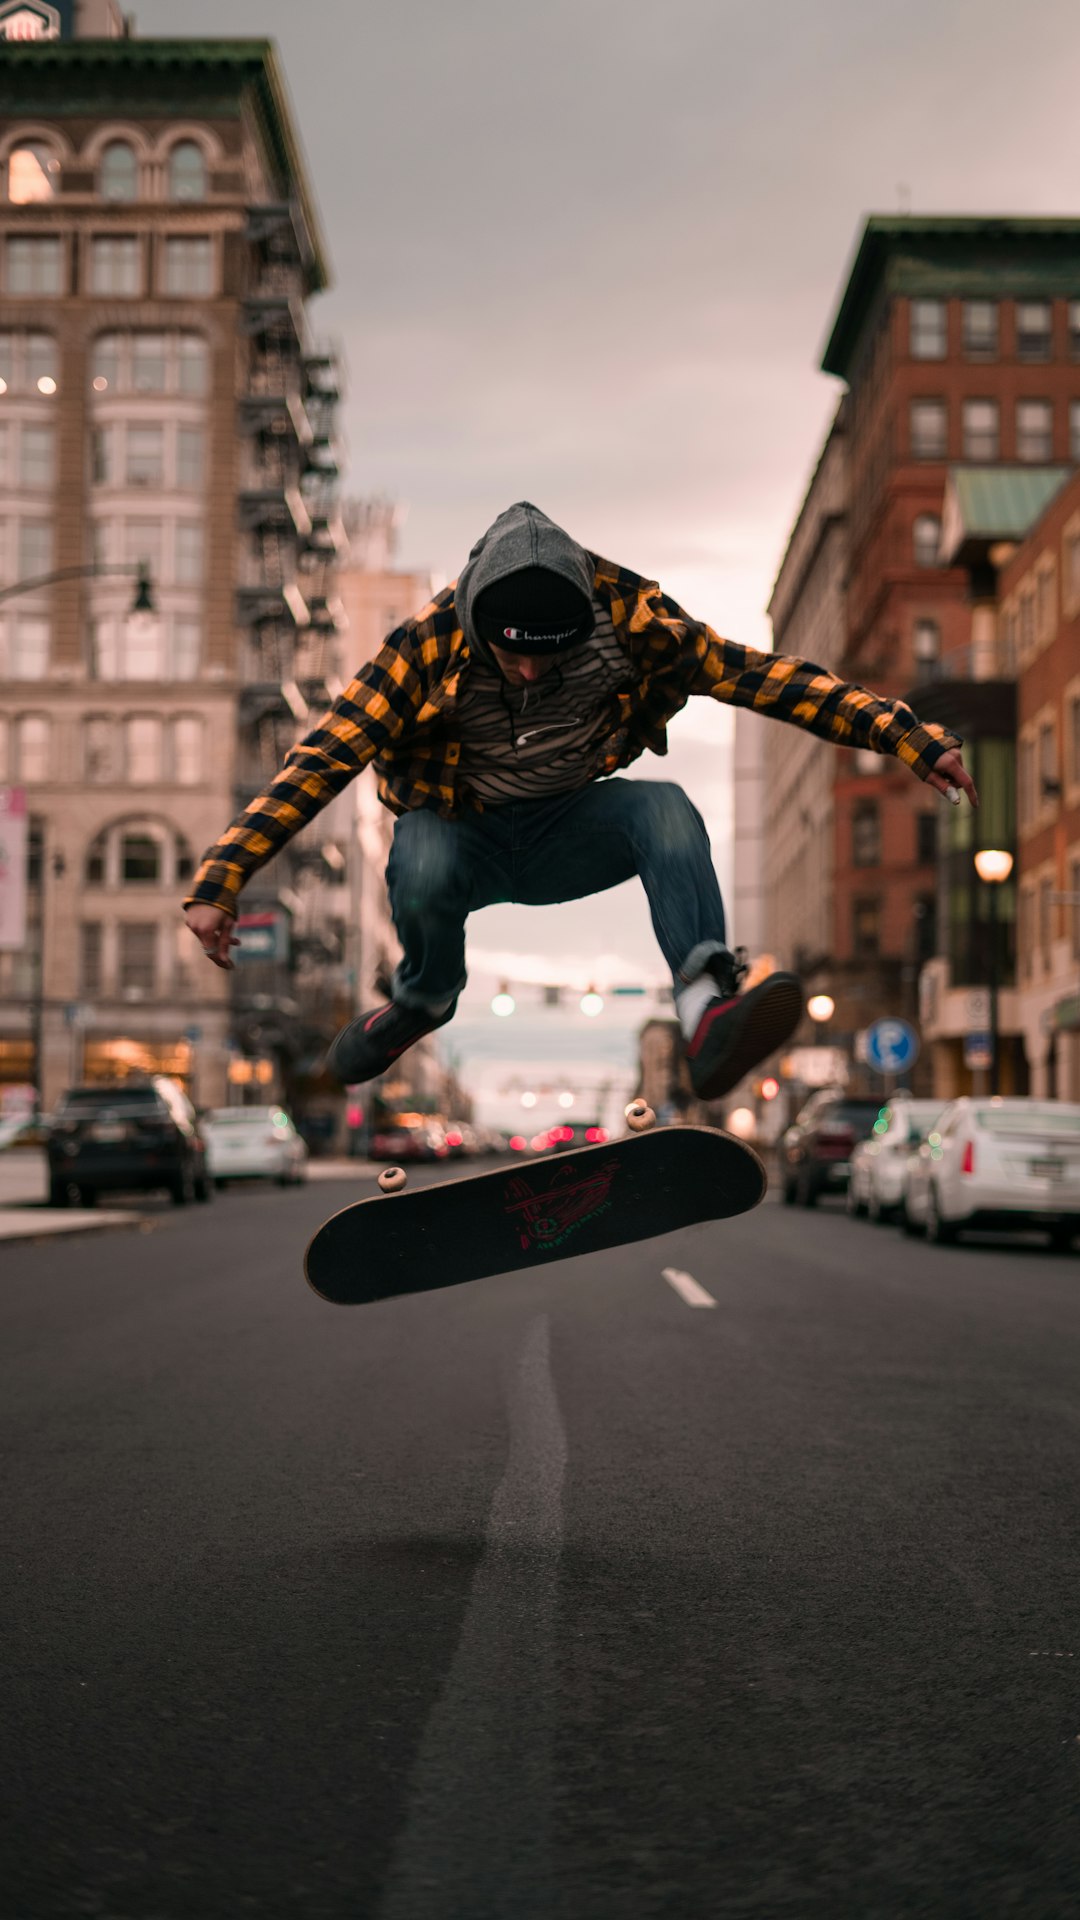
(566, 1100)
(821, 1007)
(592, 1004)
(528, 1099)
(993, 866)
(504, 1003)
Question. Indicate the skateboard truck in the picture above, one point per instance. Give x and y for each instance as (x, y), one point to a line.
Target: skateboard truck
(393, 1179)
(640, 1116)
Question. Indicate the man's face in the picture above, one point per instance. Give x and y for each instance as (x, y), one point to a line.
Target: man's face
(522, 669)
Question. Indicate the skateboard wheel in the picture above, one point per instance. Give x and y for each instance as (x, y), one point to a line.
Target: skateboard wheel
(639, 1116)
(392, 1179)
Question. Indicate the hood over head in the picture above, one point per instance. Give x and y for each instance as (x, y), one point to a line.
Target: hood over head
(526, 587)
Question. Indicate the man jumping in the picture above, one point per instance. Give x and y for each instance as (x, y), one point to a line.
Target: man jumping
(495, 719)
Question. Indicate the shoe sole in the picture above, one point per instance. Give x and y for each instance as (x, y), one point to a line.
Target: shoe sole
(772, 1020)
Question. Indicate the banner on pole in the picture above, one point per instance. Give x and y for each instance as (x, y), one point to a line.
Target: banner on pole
(14, 844)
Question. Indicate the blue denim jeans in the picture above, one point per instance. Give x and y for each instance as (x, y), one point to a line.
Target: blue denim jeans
(539, 852)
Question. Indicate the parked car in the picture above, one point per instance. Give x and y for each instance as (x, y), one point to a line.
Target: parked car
(253, 1143)
(117, 1137)
(581, 1134)
(998, 1163)
(410, 1137)
(879, 1164)
(816, 1150)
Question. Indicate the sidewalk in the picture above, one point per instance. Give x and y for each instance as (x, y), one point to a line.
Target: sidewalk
(24, 1189)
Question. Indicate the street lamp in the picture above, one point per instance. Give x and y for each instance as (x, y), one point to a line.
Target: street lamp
(821, 1008)
(993, 866)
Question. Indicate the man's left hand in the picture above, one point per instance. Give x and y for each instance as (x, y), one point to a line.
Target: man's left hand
(949, 773)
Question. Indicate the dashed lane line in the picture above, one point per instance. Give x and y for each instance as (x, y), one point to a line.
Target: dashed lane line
(687, 1286)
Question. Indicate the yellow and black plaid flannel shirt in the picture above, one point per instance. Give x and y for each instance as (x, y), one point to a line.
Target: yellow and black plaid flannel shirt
(399, 711)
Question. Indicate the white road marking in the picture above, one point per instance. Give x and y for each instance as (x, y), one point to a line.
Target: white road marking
(687, 1286)
(477, 1839)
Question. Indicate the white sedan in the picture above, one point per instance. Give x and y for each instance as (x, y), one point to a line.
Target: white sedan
(998, 1163)
(879, 1165)
(253, 1143)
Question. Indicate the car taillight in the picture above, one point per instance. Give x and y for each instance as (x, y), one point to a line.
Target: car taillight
(967, 1164)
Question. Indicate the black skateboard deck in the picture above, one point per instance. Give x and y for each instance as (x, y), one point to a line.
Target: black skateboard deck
(527, 1215)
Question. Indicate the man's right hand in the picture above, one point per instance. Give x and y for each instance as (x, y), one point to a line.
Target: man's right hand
(213, 929)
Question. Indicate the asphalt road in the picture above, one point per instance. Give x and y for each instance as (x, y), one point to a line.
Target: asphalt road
(556, 1596)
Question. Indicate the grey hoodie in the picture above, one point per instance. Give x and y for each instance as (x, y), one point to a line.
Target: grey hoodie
(520, 537)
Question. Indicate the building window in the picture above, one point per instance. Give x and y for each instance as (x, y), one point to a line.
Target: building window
(1046, 921)
(866, 835)
(189, 458)
(145, 466)
(187, 172)
(42, 363)
(90, 953)
(1033, 329)
(115, 264)
(144, 546)
(186, 648)
(981, 430)
(142, 750)
(927, 648)
(929, 430)
(33, 173)
(1045, 603)
(929, 330)
(194, 363)
(926, 827)
(1072, 735)
(140, 860)
(1026, 625)
(188, 567)
(1074, 904)
(35, 549)
(118, 176)
(866, 928)
(37, 463)
(99, 752)
(138, 956)
(148, 362)
(980, 329)
(187, 745)
(1048, 764)
(1025, 782)
(32, 748)
(29, 637)
(1074, 430)
(189, 265)
(34, 264)
(128, 650)
(927, 540)
(1074, 329)
(1034, 430)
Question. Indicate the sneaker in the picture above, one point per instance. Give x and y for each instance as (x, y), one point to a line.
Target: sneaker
(737, 1031)
(370, 1044)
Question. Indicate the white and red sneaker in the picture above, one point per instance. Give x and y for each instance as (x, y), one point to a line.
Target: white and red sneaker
(736, 1031)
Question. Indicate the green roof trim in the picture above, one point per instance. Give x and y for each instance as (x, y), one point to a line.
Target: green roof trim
(986, 504)
(938, 256)
(43, 78)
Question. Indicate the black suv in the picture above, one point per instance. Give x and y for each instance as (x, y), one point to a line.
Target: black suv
(816, 1151)
(115, 1137)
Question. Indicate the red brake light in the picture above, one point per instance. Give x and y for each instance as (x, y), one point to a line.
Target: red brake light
(518, 1143)
(454, 1139)
(596, 1136)
(967, 1164)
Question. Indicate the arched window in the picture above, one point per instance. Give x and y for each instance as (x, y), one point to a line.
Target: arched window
(138, 853)
(33, 173)
(187, 172)
(140, 859)
(118, 178)
(927, 540)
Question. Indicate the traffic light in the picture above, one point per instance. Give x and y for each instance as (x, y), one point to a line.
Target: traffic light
(769, 1088)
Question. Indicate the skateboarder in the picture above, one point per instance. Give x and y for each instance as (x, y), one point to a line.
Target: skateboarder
(494, 719)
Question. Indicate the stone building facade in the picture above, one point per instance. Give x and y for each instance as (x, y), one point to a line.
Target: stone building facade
(162, 407)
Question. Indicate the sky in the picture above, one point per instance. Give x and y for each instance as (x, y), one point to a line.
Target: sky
(587, 253)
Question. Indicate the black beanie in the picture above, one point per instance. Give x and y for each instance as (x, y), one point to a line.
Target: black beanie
(533, 611)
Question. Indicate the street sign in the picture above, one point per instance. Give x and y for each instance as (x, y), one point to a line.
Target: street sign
(978, 1050)
(891, 1046)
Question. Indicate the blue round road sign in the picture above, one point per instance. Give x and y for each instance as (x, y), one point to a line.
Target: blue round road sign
(891, 1046)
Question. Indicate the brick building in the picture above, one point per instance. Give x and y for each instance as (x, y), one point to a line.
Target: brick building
(161, 404)
(959, 342)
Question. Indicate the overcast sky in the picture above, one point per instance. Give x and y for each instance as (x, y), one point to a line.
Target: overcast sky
(586, 252)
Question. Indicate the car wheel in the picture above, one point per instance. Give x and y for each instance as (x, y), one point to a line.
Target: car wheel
(854, 1205)
(220, 1185)
(941, 1233)
(182, 1188)
(788, 1194)
(876, 1212)
(908, 1224)
(204, 1189)
(1061, 1239)
(87, 1196)
(59, 1193)
(807, 1190)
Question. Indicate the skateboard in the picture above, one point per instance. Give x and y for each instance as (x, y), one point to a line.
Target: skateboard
(649, 1183)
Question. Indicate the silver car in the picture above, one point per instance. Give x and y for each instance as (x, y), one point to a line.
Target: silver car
(253, 1143)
